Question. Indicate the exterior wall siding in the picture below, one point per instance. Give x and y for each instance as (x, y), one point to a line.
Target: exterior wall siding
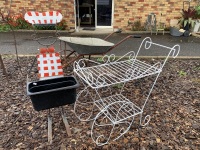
(134, 10)
(124, 10)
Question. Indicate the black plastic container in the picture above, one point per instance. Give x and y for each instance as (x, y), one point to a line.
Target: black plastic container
(52, 93)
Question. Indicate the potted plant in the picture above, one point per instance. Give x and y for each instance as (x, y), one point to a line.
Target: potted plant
(187, 19)
(197, 8)
(175, 27)
(197, 22)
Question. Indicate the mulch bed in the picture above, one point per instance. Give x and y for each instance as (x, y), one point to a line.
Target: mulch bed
(174, 107)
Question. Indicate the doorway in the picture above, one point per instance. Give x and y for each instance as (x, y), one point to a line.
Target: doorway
(94, 13)
(85, 13)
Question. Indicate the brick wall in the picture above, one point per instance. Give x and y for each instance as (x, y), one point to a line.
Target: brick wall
(66, 7)
(124, 10)
(134, 10)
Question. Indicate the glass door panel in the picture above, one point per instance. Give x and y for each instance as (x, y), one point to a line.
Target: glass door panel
(104, 13)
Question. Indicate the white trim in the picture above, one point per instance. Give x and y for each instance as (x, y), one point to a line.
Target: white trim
(76, 25)
(112, 19)
(95, 7)
(103, 27)
(75, 15)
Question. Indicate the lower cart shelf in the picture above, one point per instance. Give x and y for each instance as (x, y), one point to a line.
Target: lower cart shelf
(117, 108)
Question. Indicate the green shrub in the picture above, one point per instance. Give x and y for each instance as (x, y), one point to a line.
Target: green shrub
(137, 26)
(197, 8)
(4, 28)
(18, 22)
(21, 23)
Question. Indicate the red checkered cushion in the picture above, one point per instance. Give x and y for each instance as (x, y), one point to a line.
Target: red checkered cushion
(50, 17)
(49, 65)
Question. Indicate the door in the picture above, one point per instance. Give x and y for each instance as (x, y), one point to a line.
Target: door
(85, 13)
(103, 12)
(94, 13)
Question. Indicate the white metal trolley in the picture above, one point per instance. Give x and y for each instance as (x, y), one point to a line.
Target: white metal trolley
(109, 110)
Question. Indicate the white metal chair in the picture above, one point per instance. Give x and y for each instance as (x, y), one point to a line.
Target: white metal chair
(160, 27)
(151, 22)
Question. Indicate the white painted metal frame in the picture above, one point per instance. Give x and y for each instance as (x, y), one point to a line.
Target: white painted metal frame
(115, 109)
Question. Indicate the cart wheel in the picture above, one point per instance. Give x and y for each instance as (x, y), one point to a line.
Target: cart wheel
(106, 128)
(103, 130)
(84, 107)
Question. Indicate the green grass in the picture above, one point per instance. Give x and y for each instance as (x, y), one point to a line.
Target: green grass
(4, 28)
(182, 73)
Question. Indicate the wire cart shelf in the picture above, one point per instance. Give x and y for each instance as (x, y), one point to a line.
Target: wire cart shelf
(115, 109)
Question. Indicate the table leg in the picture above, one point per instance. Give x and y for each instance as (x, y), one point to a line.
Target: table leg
(49, 128)
(3, 67)
(66, 123)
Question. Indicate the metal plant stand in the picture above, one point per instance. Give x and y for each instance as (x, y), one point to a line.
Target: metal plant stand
(110, 110)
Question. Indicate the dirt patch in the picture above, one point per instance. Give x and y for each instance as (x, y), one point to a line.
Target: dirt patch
(174, 108)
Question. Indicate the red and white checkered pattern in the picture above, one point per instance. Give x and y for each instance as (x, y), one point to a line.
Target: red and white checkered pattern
(49, 65)
(50, 17)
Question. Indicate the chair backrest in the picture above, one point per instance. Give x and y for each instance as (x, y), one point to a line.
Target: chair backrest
(151, 19)
(50, 17)
(49, 64)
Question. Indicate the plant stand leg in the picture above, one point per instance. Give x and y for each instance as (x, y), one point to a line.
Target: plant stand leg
(3, 67)
(66, 123)
(49, 128)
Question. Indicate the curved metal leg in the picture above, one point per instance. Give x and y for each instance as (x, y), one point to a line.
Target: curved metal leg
(146, 120)
(101, 122)
(84, 105)
(123, 130)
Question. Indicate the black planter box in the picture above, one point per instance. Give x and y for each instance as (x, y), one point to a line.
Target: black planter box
(52, 93)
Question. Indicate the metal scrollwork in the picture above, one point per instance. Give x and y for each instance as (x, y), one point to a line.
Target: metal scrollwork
(146, 120)
(175, 51)
(108, 58)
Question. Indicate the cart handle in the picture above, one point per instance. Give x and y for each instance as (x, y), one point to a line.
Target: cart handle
(118, 31)
(136, 36)
(129, 36)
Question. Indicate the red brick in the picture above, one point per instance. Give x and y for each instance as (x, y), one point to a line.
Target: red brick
(153, 6)
(131, 19)
(132, 3)
(127, 9)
